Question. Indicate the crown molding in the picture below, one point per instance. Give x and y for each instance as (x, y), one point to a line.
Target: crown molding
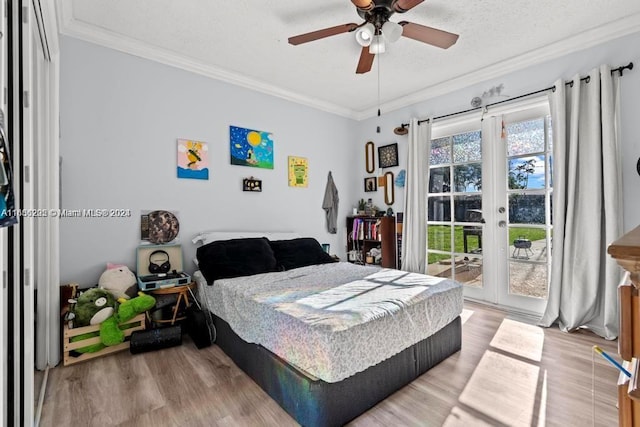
(71, 27)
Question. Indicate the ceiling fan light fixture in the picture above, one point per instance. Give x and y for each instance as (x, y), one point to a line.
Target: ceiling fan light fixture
(392, 31)
(377, 45)
(364, 34)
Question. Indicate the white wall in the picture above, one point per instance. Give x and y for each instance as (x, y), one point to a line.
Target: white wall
(120, 118)
(615, 53)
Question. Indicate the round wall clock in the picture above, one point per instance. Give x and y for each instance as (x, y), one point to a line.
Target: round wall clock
(388, 155)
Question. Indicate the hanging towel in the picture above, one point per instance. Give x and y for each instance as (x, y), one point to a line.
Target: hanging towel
(330, 205)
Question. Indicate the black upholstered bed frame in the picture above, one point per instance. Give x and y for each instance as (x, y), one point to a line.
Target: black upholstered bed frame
(315, 403)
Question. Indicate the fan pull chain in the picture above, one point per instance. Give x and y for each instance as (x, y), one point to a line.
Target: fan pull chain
(379, 62)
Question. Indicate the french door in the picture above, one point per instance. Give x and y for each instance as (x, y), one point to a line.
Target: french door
(489, 205)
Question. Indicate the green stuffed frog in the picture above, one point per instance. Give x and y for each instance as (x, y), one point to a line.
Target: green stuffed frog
(110, 333)
(98, 306)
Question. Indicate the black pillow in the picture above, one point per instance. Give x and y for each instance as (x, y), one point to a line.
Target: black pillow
(300, 252)
(234, 258)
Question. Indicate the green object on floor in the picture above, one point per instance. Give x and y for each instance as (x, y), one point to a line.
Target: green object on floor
(111, 329)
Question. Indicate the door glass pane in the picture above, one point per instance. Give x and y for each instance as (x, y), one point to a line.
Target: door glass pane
(440, 180)
(439, 208)
(528, 243)
(528, 279)
(527, 208)
(550, 134)
(440, 266)
(468, 177)
(525, 137)
(454, 249)
(528, 152)
(467, 147)
(468, 208)
(440, 151)
(468, 270)
(527, 173)
(439, 239)
(528, 252)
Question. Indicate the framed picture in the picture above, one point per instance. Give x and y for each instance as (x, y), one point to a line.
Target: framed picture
(193, 160)
(251, 184)
(298, 171)
(370, 184)
(251, 147)
(388, 155)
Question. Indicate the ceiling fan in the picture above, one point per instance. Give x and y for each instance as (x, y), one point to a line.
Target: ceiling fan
(376, 30)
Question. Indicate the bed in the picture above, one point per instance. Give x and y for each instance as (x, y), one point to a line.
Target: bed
(327, 340)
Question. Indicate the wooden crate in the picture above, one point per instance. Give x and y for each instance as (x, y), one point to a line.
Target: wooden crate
(136, 324)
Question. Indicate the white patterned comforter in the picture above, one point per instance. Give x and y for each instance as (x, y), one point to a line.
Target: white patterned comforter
(332, 321)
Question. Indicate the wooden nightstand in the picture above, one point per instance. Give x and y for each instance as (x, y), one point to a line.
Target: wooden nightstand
(183, 298)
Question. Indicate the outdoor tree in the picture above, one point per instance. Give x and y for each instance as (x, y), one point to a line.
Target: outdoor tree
(467, 175)
(519, 176)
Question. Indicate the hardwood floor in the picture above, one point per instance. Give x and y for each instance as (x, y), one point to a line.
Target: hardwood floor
(508, 373)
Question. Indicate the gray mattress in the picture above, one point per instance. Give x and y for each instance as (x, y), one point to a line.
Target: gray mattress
(316, 403)
(332, 321)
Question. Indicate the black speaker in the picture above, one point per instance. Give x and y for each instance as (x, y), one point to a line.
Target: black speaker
(155, 339)
(159, 266)
(200, 327)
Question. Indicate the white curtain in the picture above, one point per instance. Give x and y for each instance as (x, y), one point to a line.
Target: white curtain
(587, 204)
(414, 231)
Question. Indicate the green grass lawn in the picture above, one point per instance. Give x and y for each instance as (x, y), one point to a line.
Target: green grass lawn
(440, 239)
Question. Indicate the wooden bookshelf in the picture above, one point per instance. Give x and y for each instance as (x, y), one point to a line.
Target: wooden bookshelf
(626, 251)
(367, 232)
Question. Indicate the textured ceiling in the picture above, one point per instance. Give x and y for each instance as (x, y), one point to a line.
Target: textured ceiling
(245, 42)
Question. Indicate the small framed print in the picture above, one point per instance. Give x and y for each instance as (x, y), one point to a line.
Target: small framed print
(298, 171)
(388, 155)
(370, 184)
(251, 184)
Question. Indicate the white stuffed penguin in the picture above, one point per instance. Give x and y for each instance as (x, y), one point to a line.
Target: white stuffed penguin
(119, 280)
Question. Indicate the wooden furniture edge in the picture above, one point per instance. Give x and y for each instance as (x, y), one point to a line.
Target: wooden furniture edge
(625, 339)
(626, 251)
(172, 289)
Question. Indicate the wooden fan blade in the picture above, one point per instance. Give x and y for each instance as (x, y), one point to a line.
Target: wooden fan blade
(428, 35)
(320, 34)
(401, 6)
(366, 61)
(364, 5)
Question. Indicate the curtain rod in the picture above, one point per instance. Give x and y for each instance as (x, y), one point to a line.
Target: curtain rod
(620, 70)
